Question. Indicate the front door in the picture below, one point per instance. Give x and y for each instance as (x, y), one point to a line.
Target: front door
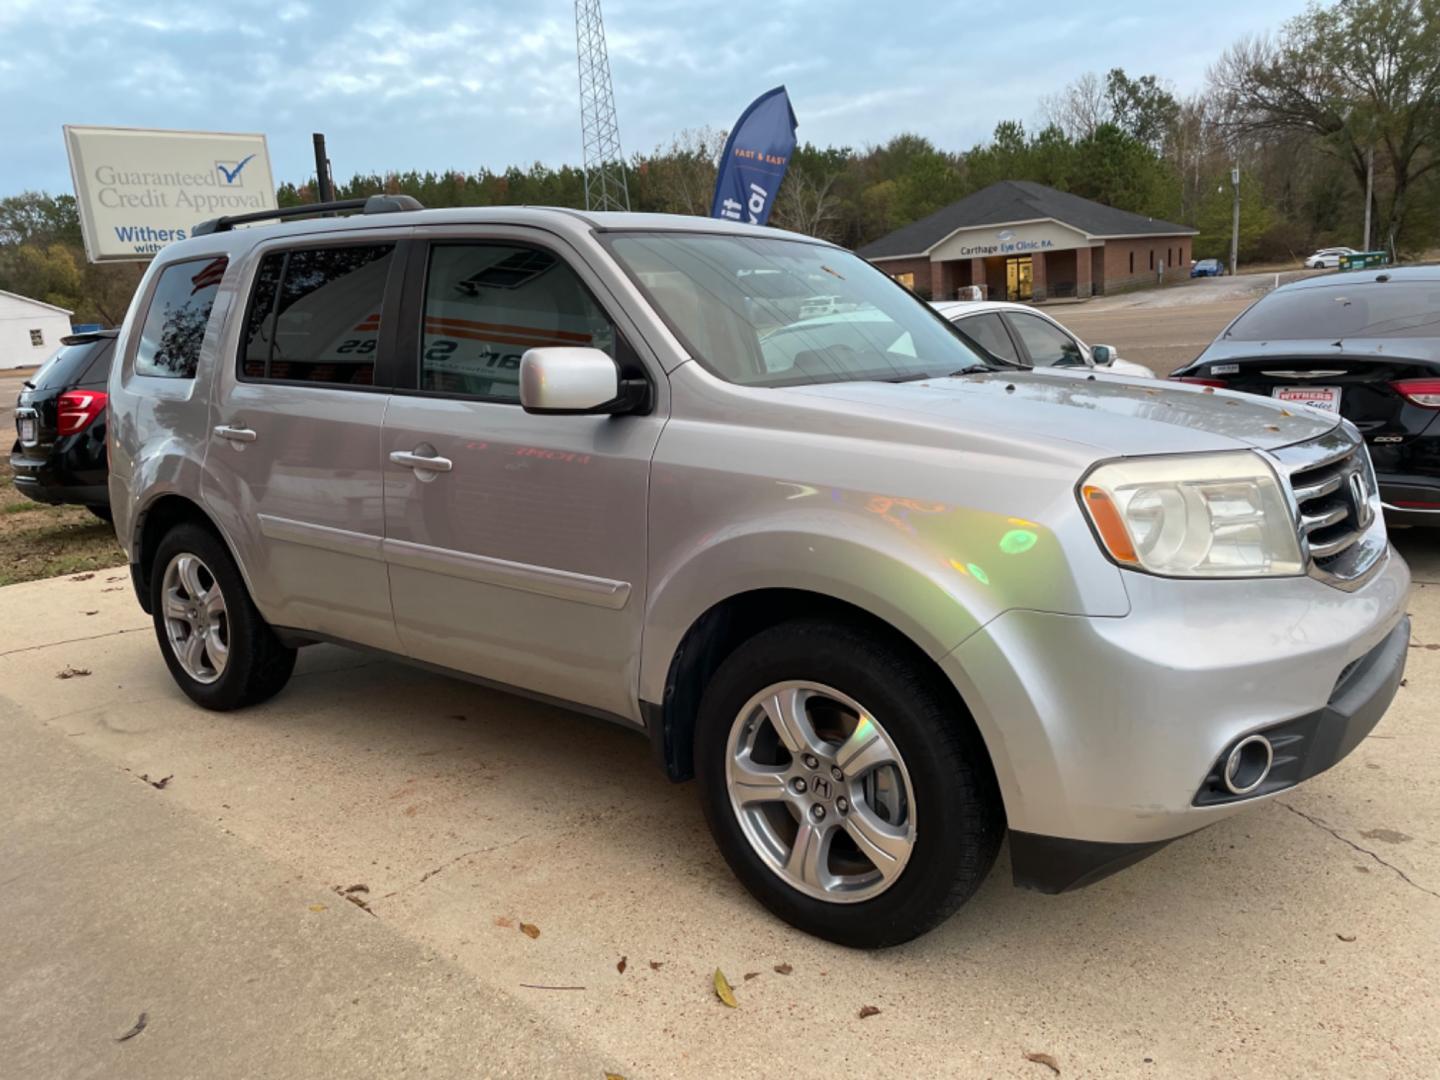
(516, 543)
(1018, 280)
(296, 481)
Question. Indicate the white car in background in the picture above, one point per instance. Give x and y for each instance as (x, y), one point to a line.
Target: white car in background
(1327, 258)
(1021, 335)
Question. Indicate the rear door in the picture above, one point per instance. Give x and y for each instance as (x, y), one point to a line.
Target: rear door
(519, 554)
(294, 471)
(988, 330)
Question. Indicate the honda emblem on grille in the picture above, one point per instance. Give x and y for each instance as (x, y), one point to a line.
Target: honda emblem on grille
(1360, 496)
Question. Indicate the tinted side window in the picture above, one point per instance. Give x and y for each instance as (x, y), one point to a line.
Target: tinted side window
(67, 367)
(315, 315)
(1046, 345)
(485, 304)
(988, 332)
(99, 369)
(175, 324)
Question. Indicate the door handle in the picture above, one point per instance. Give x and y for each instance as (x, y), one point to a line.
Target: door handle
(429, 463)
(236, 434)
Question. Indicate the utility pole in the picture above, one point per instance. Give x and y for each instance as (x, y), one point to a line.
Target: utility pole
(1235, 222)
(324, 188)
(1369, 191)
(605, 187)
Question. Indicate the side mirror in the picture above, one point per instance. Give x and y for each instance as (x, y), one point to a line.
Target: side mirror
(1102, 355)
(570, 381)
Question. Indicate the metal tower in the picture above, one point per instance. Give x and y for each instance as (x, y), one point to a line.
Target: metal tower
(599, 130)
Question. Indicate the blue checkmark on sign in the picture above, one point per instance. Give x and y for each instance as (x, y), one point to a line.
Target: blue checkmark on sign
(231, 174)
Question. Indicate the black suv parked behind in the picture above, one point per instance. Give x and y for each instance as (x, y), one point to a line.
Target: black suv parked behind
(59, 451)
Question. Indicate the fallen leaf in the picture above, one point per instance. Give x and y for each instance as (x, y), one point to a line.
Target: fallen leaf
(113, 588)
(622, 965)
(504, 921)
(656, 965)
(158, 785)
(1045, 1059)
(139, 1027)
(317, 907)
(614, 1076)
(1346, 937)
(530, 930)
(72, 672)
(783, 969)
(82, 577)
(751, 975)
(358, 888)
(96, 612)
(868, 1010)
(723, 991)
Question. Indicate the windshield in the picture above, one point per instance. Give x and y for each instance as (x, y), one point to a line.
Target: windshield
(765, 312)
(1364, 309)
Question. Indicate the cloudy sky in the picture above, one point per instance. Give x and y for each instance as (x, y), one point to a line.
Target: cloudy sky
(443, 84)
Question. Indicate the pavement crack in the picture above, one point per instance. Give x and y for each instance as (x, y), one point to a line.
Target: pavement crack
(451, 862)
(1363, 850)
(73, 641)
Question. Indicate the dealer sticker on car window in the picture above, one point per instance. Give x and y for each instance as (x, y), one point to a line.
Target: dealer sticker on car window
(1324, 398)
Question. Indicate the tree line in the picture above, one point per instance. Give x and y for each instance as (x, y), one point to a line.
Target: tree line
(1338, 94)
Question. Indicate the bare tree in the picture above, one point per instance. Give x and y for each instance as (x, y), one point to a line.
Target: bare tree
(806, 203)
(1080, 108)
(1359, 75)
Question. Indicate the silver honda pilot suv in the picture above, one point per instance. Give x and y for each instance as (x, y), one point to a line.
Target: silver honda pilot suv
(885, 597)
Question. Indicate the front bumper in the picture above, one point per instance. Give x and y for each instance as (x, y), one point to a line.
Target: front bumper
(1104, 730)
(1304, 747)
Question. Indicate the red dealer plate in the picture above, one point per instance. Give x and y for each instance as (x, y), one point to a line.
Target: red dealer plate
(1324, 398)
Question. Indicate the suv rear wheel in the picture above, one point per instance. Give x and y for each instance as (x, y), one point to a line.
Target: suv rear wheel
(218, 648)
(841, 786)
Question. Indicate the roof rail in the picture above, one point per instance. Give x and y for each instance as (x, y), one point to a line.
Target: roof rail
(375, 204)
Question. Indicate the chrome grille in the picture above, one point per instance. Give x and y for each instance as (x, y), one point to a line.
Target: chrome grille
(1334, 489)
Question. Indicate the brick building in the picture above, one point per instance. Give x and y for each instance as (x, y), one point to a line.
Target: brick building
(1020, 241)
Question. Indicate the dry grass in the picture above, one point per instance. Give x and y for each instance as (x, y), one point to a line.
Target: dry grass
(39, 541)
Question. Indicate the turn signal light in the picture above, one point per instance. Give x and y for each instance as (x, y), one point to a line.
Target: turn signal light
(77, 410)
(1422, 392)
(1109, 524)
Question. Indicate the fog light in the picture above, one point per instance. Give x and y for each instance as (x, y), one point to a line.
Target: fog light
(1248, 764)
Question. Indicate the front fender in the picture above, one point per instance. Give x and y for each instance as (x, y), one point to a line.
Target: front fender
(936, 573)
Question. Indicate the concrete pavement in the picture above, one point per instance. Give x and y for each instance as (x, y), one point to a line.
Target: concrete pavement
(466, 812)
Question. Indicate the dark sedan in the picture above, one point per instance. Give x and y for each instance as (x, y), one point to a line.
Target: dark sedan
(59, 451)
(1365, 345)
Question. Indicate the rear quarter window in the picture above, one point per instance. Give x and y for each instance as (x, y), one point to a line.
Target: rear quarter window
(174, 326)
(70, 365)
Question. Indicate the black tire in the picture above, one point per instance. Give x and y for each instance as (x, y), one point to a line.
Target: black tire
(959, 814)
(258, 665)
(102, 512)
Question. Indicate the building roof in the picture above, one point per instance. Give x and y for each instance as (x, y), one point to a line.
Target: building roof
(37, 303)
(1011, 202)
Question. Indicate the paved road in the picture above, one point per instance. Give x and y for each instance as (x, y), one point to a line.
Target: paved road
(1161, 339)
(465, 812)
(10, 383)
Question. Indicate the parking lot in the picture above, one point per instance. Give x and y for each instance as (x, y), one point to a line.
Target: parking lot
(341, 881)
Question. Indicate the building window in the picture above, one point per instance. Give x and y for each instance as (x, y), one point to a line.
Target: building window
(1168, 260)
(908, 280)
(37, 338)
(1132, 262)
(1152, 258)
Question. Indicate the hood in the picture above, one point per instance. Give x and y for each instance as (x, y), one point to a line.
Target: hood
(1114, 416)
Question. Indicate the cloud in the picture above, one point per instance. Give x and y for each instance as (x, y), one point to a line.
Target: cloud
(400, 84)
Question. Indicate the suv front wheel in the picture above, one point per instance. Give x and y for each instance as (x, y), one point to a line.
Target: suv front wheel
(217, 646)
(841, 785)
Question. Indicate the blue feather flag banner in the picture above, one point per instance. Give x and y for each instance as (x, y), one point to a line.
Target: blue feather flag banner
(756, 156)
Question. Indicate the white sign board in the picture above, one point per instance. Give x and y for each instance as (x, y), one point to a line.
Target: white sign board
(139, 190)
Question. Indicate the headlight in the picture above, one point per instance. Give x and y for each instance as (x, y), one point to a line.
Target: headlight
(1194, 515)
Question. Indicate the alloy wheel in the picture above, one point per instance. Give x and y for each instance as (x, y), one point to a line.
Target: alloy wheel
(820, 791)
(196, 623)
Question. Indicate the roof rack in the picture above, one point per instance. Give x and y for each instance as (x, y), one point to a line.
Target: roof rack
(375, 204)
